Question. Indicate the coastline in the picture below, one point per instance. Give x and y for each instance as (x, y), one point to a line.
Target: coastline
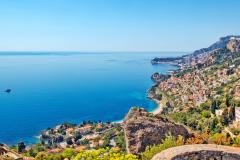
(158, 109)
(155, 111)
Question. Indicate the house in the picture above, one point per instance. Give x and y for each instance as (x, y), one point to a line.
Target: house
(219, 112)
(237, 114)
(93, 144)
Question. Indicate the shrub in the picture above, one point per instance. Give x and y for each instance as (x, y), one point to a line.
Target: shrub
(104, 154)
(168, 142)
(68, 153)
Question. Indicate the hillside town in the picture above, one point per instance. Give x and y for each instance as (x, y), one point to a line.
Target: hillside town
(194, 88)
(88, 135)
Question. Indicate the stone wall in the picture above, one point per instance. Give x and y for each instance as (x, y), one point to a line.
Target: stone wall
(199, 152)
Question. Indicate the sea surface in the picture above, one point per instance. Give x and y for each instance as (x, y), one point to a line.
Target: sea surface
(49, 88)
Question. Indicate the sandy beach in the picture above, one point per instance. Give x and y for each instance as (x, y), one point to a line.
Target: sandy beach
(159, 108)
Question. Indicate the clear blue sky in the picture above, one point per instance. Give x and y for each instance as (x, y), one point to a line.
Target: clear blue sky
(116, 25)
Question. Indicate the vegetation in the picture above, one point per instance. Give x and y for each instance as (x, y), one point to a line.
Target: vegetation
(204, 116)
(169, 142)
(99, 154)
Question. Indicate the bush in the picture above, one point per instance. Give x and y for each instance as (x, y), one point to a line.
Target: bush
(206, 114)
(169, 142)
(104, 154)
(220, 139)
(68, 153)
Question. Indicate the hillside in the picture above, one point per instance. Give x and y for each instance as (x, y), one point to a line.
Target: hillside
(143, 129)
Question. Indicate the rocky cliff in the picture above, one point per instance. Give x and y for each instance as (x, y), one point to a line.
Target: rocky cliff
(234, 45)
(221, 44)
(143, 129)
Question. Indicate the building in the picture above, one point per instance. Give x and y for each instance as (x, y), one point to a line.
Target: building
(219, 112)
(237, 114)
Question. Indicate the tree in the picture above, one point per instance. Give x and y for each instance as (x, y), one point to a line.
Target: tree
(206, 114)
(231, 113)
(68, 153)
(224, 118)
(213, 107)
(168, 142)
(69, 141)
(21, 147)
(77, 135)
(31, 153)
(41, 156)
(213, 124)
(228, 100)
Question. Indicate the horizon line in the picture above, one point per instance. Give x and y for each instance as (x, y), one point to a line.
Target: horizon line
(90, 51)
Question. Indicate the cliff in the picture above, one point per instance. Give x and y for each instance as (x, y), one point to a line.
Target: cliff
(143, 129)
(221, 44)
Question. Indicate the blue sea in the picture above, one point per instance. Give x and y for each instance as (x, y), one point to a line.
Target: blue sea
(49, 88)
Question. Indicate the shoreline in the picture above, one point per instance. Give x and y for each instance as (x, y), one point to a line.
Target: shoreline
(156, 110)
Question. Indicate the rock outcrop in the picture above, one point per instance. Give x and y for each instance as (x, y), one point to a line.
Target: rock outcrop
(7, 153)
(221, 44)
(158, 77)
(234, 45)
(144, 129)
(199, 151)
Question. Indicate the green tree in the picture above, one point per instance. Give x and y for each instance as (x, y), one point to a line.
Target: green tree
(68, 153)
(168, 142)
(213, 106)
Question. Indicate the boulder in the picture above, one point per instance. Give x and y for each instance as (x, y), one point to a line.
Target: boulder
(144, 129)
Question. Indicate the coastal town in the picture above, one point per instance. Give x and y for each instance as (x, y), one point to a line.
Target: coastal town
(88, 135)
(199, 103)
(194, 88)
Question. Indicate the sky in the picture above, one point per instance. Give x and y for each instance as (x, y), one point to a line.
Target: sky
(115, 25)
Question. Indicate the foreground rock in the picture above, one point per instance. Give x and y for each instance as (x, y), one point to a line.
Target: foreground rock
(6, 153)
(144, 129)
(199, 151)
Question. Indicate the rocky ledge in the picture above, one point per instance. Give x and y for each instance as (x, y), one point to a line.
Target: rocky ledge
(199, 151)
(143, 129)
(170, 60)
(7, 154)
(158, 77)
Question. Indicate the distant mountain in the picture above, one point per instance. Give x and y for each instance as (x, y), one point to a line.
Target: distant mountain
(205, 56)
(224, 42)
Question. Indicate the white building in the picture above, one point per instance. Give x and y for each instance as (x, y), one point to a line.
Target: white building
(219, 112)
(237, 114)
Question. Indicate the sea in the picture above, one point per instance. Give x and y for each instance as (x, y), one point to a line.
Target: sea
(50, 88)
